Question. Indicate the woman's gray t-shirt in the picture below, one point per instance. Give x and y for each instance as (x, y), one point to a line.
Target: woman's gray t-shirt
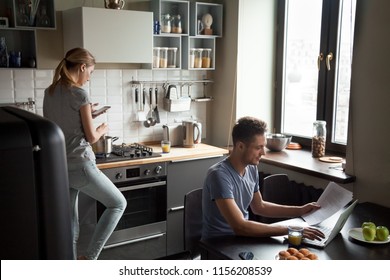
(223, 181)
(63, 108)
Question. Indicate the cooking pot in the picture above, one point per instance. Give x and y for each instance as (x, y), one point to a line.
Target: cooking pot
(104, 145)
(192, 133)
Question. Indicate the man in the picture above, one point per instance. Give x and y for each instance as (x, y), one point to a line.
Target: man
(232, 185)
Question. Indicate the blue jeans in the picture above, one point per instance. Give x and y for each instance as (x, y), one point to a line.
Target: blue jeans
(87, 178)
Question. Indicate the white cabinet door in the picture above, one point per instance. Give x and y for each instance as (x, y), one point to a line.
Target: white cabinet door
(112, 36)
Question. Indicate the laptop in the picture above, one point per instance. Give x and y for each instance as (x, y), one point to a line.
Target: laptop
(328, 227)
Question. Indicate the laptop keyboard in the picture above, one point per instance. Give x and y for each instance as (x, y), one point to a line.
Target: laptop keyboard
(325, 230)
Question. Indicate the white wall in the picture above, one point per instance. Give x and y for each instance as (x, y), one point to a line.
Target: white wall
(256, 52)
(245, 66)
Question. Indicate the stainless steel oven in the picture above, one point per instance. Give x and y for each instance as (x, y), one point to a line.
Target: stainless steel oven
(141, 232)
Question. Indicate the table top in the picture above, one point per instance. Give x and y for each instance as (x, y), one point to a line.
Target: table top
(342, 246)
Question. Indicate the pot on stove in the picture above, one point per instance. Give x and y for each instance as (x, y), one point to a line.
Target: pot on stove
(104, 145)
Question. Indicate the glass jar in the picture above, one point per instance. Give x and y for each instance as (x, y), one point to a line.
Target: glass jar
(172, 57)
(163, 57)
(319, 139)
(206, 58)
(4, 60)
(166, 23)
(198, 58)
(156, 57)
(192, 58)
(176, 27)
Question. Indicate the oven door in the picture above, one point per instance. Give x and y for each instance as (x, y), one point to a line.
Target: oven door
(145, 215)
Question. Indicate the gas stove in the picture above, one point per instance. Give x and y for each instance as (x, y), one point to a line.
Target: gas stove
(127, 152)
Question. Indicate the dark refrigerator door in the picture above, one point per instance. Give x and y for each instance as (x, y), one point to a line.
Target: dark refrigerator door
(34, 192)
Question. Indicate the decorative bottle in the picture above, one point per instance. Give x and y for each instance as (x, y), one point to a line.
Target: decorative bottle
(4, 61)
(319, 139)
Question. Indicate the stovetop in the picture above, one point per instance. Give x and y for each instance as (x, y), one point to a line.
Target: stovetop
(127, 152)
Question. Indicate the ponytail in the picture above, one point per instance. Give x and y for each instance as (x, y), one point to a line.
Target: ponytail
(73, 58)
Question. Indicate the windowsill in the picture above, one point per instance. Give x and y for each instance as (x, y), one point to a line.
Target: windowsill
(302, 161)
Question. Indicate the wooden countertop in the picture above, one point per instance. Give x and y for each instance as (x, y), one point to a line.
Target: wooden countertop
(176, 154)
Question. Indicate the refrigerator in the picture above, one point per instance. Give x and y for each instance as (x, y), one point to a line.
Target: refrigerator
(34, 194)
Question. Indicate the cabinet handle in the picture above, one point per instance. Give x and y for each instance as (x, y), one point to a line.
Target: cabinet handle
(192, 159)
(329, 57)
(134, 240)
(178, 208)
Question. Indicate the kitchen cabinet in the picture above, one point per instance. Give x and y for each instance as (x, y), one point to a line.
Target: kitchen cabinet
(192, 35)
(19, 29)
(166, 13)
(183, 176)
(113, 36)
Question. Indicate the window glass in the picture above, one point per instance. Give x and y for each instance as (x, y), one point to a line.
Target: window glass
(302, 37)
(343, 71)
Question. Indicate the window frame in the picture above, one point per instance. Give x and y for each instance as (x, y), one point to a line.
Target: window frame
(326, 94)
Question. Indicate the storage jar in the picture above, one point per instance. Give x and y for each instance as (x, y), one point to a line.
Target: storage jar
(172, 57)
(198, 58)
(206, 58)
(163, 57)
(319, 139)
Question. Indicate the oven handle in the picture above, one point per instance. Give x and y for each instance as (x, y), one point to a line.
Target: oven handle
(143, 186)
(134, 240)
(178, 208)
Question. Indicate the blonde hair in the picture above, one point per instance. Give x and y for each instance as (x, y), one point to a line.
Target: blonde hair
(73, 59)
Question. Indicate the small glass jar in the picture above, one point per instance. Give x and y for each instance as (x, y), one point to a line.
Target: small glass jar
(163, 57)
(166, 24)
(198, 58)
(156, 57)
(172, 57)
(206, 58)
(319, 139)
(176, 26)
(192, 58)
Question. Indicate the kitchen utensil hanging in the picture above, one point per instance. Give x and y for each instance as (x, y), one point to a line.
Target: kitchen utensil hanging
(156, 108)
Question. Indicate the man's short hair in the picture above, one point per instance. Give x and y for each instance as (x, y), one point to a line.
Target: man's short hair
(246, 128)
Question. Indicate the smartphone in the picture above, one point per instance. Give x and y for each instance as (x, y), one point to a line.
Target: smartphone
(100, 110)
(246, 255)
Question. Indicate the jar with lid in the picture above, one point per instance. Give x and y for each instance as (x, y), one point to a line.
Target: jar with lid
(176, 24)
(198, 58)
(192, 58)
(319, 139)
(166, 23)
(156, 57)
(206, 58)
(4, 59)
(172, 57)
(163, 57)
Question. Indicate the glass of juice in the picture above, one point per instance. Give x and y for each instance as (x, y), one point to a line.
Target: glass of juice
(166, 146)
(295, 234)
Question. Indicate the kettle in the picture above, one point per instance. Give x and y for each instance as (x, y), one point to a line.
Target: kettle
(173, 133)
(192, 133)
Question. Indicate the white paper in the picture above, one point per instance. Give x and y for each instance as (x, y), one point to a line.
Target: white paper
(332, 200)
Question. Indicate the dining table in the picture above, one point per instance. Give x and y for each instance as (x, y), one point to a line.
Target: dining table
(345, 246)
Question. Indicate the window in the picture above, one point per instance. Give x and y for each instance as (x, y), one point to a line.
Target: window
(314, 68)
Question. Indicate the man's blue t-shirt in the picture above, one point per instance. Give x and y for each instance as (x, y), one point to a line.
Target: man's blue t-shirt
(223, 181)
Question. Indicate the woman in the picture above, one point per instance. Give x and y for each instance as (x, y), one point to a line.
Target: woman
(67, 104)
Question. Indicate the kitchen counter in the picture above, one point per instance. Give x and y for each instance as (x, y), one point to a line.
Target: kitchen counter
(176, 154)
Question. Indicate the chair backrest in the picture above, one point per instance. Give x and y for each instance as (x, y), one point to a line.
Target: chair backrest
(193, 221)
(276, 189)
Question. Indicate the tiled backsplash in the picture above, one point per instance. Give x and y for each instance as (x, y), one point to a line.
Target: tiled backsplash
(111, 87)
